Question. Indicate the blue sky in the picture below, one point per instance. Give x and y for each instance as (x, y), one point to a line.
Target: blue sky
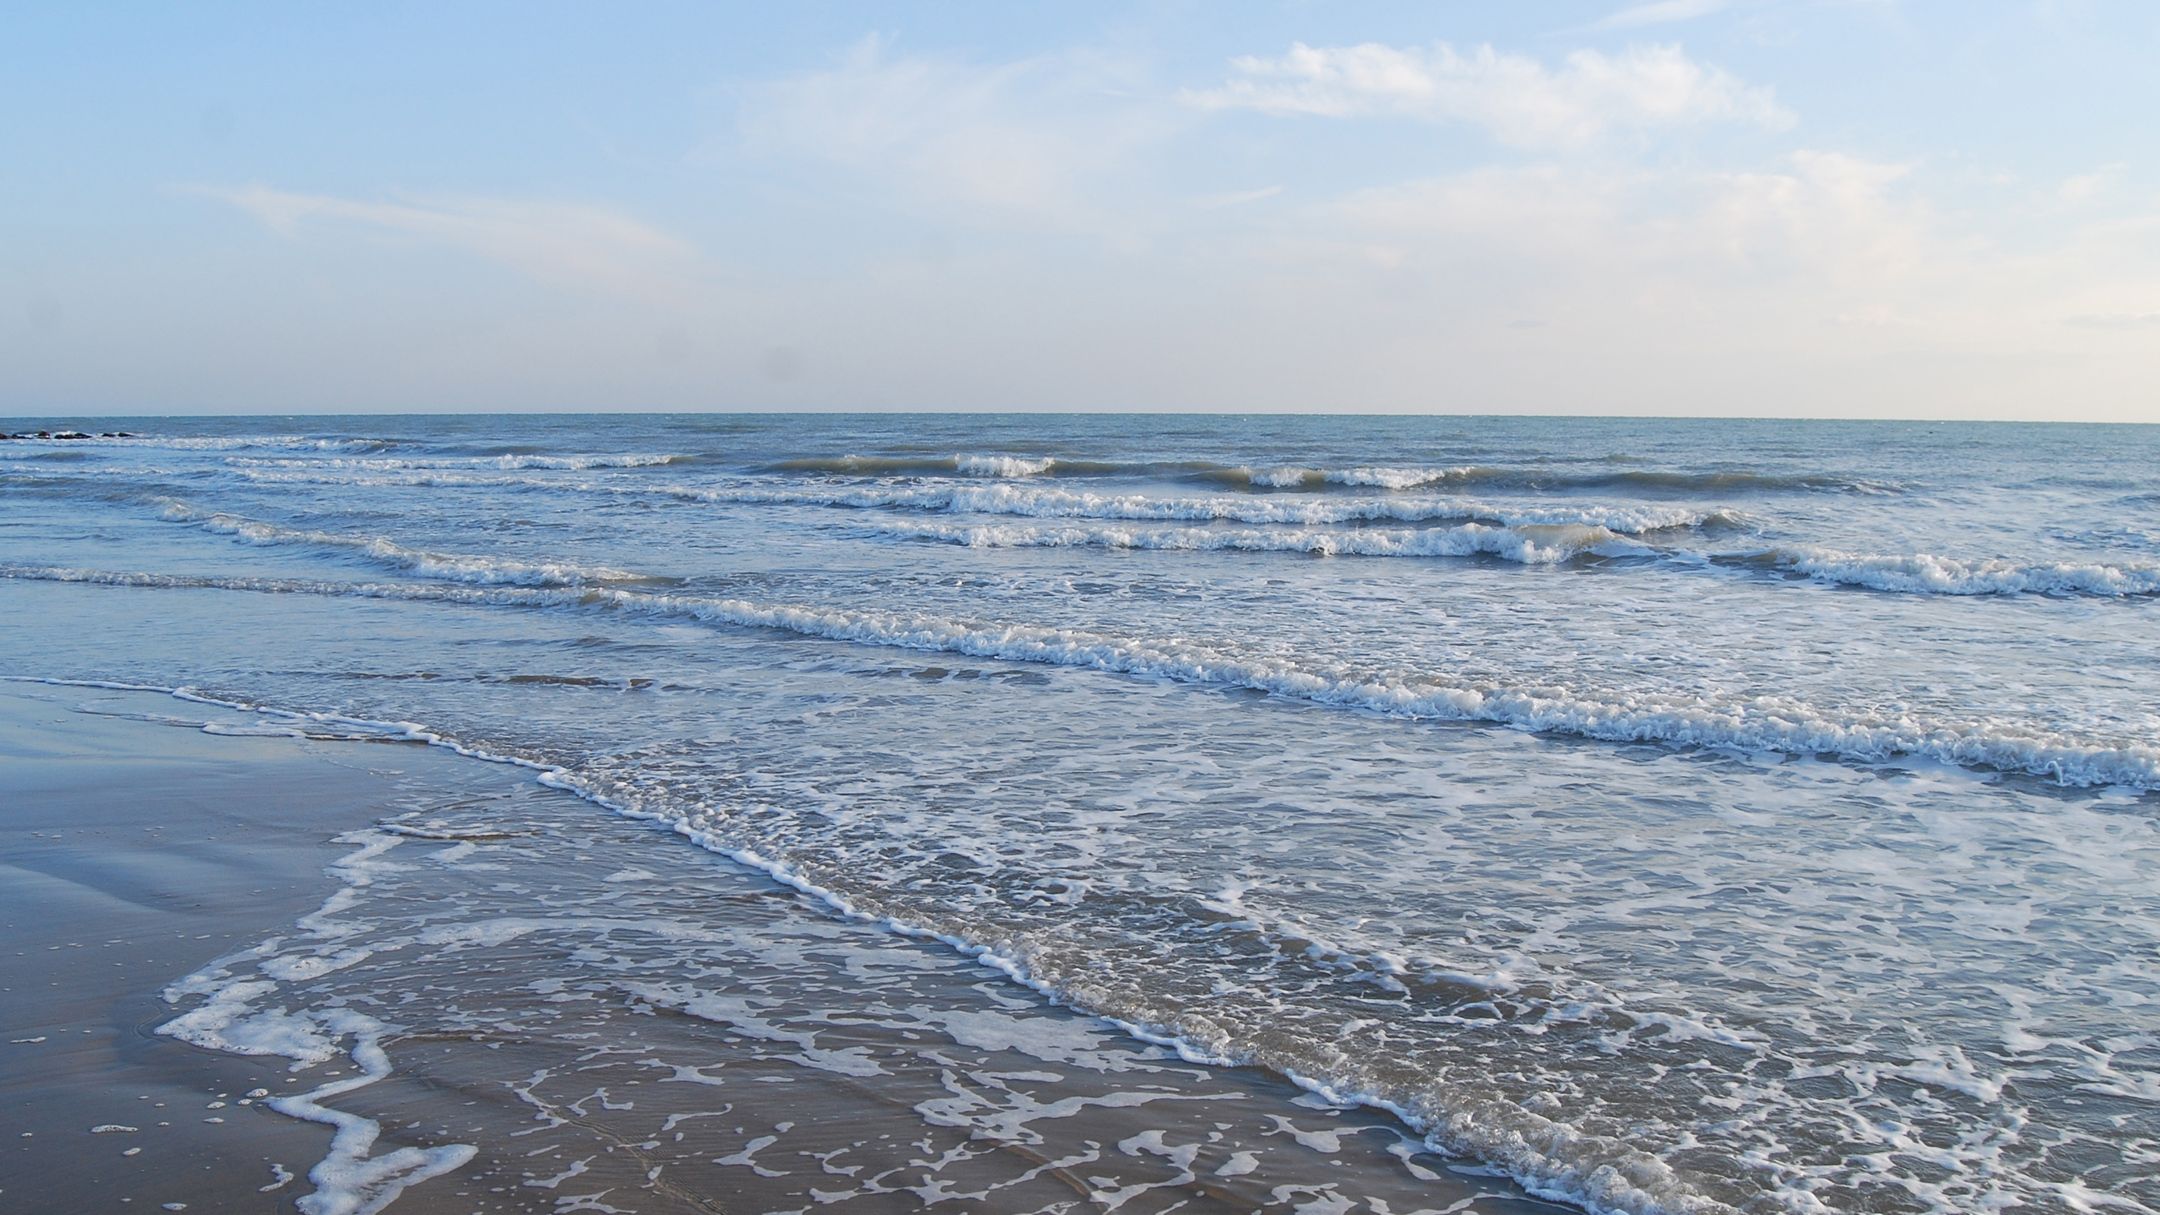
(1792, 207)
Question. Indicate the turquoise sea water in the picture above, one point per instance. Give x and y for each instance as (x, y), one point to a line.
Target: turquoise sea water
(1674, 816)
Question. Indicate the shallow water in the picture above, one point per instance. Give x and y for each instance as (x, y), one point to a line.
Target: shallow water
(1673, 816)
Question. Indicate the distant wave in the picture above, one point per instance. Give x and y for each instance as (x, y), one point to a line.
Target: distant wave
(1531, 478)
(1761, 723)
(1925, 574)
(1292, 477)
(211, 442)
(316, 472)
(1534, 544)
(1539, 544)
(1916, 574)
(1249, 478)
(964, 465)
(1046, 503)
(453, 566)
(505, 462)
(1031, 501)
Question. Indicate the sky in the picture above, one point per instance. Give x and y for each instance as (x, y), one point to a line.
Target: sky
(1848, 208)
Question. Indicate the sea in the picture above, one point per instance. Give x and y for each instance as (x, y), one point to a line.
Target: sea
(1412, 813)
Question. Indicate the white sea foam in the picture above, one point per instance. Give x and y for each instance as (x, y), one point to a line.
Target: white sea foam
(453, 566)
(1001, 466)
(1547, 1155)
(1050, 503)
(1381, 478)
(1277, 477)
(1397, 478)
(210, 442)
(1922, 573)
(964, 464)
(233, 1011)
(1534, 544)
(1771, 724)
(1549, 532)
(510, 462)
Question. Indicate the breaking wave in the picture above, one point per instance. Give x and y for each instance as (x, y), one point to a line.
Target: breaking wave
(505, 462)
(1030, 501)
(238, 1004)
(211, 442)
(1548, 543)
(1925, 574)
(1531, 544)
(1769, 724)
(1250, 478)
(964, 465)
(1534, 478)
(486, 571)
(1045, 503)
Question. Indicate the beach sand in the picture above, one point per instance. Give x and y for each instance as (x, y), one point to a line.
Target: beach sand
(133, 852)
(582, 1012)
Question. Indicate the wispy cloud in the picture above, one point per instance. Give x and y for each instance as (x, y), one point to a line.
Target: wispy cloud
(1517, 99)
(2084, 187)
(557, 242)
(1659, 12)
(1023, 140)
(1235, 198)
(1821, 235)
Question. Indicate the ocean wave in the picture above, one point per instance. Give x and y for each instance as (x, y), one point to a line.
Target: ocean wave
(459, 567)
(1047, 503)
(1042, 502)
(1363, 477)
(1893, 573)
(1767, 724)
(1532, 544)
(1925, 574)
(214, 442)
(1532, 536)
(511, 462)
(1007, 466)
(963, 464)
(1534, 478)
(240, 1003)
(313, 472)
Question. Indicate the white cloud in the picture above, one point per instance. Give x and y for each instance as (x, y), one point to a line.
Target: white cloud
(1517, 99)
(1023, 140)
(2084, 187)
(1660, 12)
(1769, 256)
(552, 241)
(1802, 282)
(1236, 198)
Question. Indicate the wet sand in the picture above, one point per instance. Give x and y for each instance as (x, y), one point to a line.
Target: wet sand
(132, 852)
(577, 1012)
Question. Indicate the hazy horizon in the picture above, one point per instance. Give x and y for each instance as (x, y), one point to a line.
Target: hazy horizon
(996, 412)
(1682, 208)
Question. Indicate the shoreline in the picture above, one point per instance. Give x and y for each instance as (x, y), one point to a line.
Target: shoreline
(136, 852)
(1111, 1112)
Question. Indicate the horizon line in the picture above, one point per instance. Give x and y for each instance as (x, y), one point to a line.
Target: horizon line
(920, 411)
